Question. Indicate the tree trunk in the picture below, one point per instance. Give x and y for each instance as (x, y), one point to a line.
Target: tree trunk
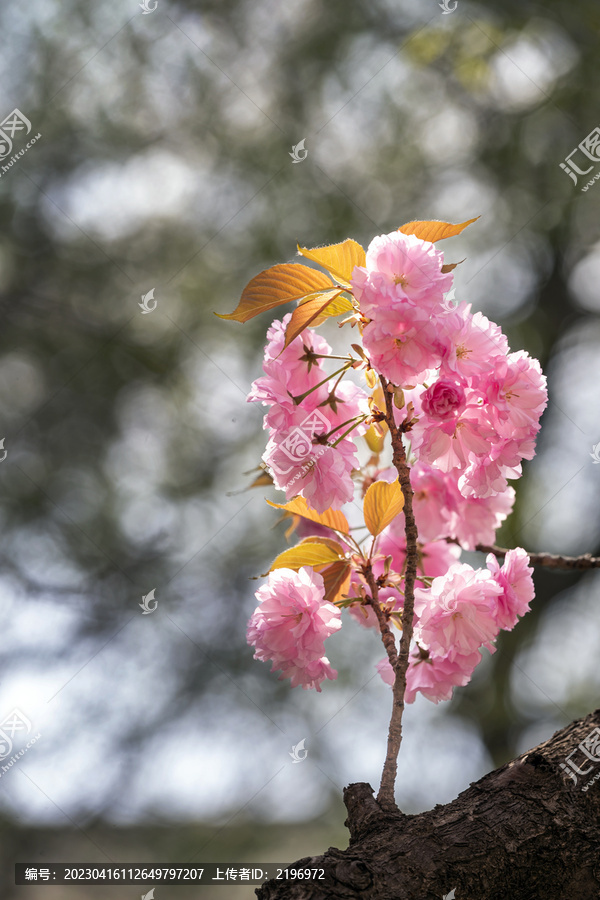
(525, 831)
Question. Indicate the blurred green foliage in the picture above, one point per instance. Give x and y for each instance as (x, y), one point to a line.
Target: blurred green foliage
(164, 164)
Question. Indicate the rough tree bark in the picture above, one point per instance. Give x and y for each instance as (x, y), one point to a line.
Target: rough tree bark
(525, 832)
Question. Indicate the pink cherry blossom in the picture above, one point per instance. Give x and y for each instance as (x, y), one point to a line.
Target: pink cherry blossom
(409, 268)
(402, 344)
(442, 511)
(291, 624)
(434, 504)
(434, 557)
(444, 400)
(287, 374)
(515, 390)
(435, 677)
(487, 475)
(484, 477)
(471, 342)
(310, 675)
(303, 458)
(323, 477)
(514, 577)
(454, 444)
(457, 615)
(476, 520)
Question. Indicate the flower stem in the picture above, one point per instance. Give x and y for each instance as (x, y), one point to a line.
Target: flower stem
(386, 635)
(356, 421)
(297, 400)
(385, 796)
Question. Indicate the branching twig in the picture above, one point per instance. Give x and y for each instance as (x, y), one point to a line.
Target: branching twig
(550, 560)
(386, 635)
(385, 796)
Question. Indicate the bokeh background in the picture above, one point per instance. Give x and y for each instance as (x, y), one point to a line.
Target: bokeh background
(164, 164)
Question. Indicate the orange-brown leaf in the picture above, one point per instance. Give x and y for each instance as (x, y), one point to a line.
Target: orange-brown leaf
(275, 286)
(312, 553)
(337, 579)
(331, 518)
(339, 259)
(382, 503)
(435, 230)
(312, 308)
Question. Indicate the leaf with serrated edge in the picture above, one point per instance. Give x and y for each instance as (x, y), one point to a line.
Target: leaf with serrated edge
(316, 305)
(313, 553)
(339, 259)
(337, 306)
(329, 542)
(331, 518)
(276, 286)
(382, 503)
(434, 230)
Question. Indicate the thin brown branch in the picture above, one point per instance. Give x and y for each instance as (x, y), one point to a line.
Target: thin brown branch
(385, 796)
(550, 560)
(386, 634)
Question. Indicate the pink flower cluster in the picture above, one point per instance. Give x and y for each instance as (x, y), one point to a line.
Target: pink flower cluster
(442, 512)
(399, 291)
(463, 611)
(435, 557)
(290, 625)
(476, 411)
(479, 406)
(307, 451)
